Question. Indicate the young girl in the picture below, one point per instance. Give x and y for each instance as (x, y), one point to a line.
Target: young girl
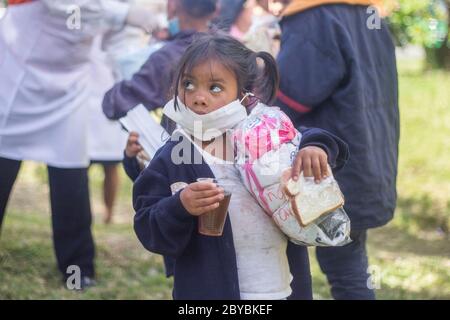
(252, 259)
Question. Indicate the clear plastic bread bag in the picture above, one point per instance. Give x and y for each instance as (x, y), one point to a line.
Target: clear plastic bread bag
(329, 230)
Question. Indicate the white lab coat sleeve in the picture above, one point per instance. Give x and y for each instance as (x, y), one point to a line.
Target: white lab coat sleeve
(111, 13)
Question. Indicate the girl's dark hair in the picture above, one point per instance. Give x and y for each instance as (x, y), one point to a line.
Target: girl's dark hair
(199, 8)
(251, 76)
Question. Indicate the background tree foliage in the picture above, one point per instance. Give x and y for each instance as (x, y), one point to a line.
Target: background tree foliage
(424, 23)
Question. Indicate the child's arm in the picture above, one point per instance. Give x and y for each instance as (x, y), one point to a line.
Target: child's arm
(317, 149)
(130, 162)
(161, 222)
(131, 167)
(164, 223)
(147, 86)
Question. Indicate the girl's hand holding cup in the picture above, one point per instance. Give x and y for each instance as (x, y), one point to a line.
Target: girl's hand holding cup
(201, 197)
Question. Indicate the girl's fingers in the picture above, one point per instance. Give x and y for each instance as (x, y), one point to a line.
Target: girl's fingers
(133, 140)
(202, 186)
(132, 144)
(316, 168)
(144, 154)
(324, 166)
(307, 171)
(136, 145)
(296, 168)
(207, 193)
(205, 202)
(136, 149)
(208, 208)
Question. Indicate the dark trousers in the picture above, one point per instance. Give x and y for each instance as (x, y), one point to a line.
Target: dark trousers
(71, 213)
(346, 268)
(302, 284)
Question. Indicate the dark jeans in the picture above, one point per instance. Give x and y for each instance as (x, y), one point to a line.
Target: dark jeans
(346, 268)
(71, 213)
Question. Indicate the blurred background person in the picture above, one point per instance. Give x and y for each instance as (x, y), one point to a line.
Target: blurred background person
(105, 138)
(45, 85)
(340, 75)
(116, 55)
(251, 22)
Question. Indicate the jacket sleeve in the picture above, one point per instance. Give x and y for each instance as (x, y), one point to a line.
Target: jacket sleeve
(148, 87)
(336, 149)
(309, 74)
(161, 222)
(131, 167)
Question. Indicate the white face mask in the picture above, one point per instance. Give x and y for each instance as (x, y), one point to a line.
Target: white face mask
(208, 126)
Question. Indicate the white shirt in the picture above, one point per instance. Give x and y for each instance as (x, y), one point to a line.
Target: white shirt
(262, 264)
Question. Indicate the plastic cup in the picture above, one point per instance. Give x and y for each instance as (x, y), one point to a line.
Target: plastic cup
(211, 223)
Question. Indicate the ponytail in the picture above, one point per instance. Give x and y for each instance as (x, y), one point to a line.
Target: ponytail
(267, 79)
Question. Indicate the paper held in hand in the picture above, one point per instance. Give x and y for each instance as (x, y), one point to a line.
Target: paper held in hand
(152, 135)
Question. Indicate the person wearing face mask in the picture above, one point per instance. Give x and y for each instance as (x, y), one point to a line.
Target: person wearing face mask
(252, 259)
(45, 86)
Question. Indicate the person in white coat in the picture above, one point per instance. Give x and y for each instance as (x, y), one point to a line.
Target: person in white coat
(106, 138)
(45, 83)
(116, 56)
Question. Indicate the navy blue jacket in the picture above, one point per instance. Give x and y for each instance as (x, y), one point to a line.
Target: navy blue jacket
(151, 84)
(341, 76)
(205, 267)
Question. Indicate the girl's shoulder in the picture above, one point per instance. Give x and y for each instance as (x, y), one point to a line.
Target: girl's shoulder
(174, 161)
(162, 154)
(173, 152)
(160, 164)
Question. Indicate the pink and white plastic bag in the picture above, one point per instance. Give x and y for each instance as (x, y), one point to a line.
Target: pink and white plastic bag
(265, 144)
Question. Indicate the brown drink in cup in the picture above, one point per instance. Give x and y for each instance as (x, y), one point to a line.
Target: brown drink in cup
(211, 223)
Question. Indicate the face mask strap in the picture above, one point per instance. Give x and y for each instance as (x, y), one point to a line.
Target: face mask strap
(248, 94)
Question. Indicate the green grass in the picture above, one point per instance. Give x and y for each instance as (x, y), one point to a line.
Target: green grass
(411, 255)
(28, 266)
